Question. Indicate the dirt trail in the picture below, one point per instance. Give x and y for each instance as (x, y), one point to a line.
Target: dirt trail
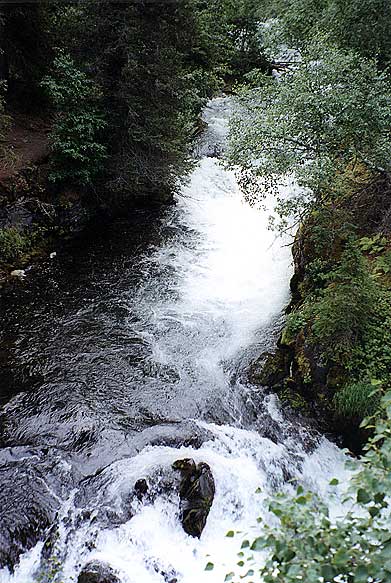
(26, 144)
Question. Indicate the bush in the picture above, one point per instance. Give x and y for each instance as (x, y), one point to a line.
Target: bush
(12, 244)
(345, 308)
(356, 400)
(77, 141)
(308, 545)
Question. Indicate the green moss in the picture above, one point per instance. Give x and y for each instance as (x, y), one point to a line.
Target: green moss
(273, 370)
(293, 398)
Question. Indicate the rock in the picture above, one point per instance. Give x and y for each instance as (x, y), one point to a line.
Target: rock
(270, 369)
(196, 492)
(168, 573)
(27, 509)
(96, 572)
(18, 273)
(141, 489)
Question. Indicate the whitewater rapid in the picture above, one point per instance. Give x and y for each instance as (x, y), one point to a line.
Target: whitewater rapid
(209, 300)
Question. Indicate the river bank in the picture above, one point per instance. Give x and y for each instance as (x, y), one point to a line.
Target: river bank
(332, 354)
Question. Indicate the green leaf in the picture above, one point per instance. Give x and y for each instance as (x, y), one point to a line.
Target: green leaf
(230, 534)
(327, 572)
(361, 574)
(334, 482)
(362, 496)
(209, 566)
(229, 576)
(258, 544)
(245, 544)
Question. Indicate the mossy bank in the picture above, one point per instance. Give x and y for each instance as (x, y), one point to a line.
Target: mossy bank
(333, 358)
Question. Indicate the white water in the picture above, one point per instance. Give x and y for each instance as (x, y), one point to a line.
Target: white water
(230, 283)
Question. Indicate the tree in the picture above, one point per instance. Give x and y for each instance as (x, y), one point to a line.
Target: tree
(360, 25)
(326, 121)
(77, 136)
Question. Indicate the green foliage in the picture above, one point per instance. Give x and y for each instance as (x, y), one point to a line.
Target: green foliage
(302, 125)
(78, 151)
(296, 321)
(12, 244)
(228, 40)
(361, 25)
(346, 315)
(344, 308)
(356, 400)
(371, 358)
(127, 82)
(308, 545)
(374, 244)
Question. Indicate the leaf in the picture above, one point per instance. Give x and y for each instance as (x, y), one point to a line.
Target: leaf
(327, 572)
(361, 574)
(229, 576)
(341, 557)
(245, 544)
(209, 567)
(363, 497)
(334, 482)
(230, 534)
(258, 544)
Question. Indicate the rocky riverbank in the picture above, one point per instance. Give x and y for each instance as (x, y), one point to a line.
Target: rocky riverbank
(35, 213)
(333, 354)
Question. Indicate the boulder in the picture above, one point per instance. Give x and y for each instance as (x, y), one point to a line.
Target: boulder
(96, 572)
(141, 489)
(197, 490)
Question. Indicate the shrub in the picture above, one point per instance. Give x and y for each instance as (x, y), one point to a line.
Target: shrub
(308, 545)
(77, 141)
(356, 400)
(345, 308)
(12, 244)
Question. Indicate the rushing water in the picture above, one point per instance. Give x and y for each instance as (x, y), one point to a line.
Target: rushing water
(130, 351)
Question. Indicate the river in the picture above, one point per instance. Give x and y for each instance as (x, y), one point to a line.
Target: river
(130, 350)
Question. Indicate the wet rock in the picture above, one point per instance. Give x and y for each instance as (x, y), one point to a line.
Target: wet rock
(197, 490)
(167, 572)
(270, 369)
(18, 273)
(96, 572)
(141, 489)
(27, 508)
